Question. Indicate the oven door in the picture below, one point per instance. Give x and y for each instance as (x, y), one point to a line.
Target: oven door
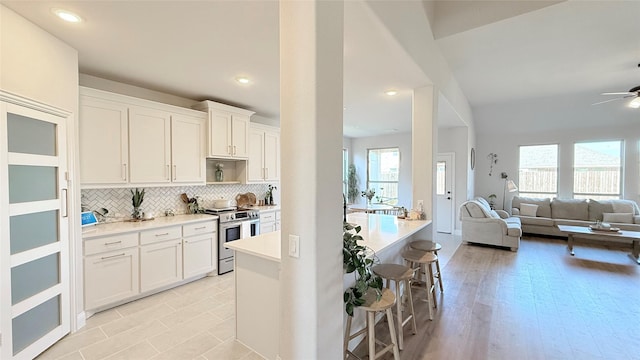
(228, 232)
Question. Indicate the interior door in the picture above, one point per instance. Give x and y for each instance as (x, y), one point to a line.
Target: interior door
(34, 226)
(444, 193)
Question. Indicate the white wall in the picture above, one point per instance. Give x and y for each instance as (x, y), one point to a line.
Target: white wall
(402, 141)
(38, 66)
(564, 121)
(455, 140)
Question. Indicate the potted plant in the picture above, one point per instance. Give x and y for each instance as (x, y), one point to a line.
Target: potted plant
(492, 201)
(352, 184)
(358, 259)
(136, 200)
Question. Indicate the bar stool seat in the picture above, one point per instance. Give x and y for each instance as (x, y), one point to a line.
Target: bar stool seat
(420, 259)
(399, 274)
(434, 247)
(372, 306)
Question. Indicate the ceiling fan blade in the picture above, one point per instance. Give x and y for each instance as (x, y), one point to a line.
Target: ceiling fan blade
(618, 93)
(606, 101)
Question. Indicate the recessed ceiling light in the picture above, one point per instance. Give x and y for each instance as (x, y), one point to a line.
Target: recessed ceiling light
(635, 103)
(242, 80)
(67, 15)
(391, 92)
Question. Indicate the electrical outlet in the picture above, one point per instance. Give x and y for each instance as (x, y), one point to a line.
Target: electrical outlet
(294, 246)
(420, 204)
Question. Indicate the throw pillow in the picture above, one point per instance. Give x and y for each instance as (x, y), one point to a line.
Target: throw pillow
(494, 214)
(528, 210)
(618, 217)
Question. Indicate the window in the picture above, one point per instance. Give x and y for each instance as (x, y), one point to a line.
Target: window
(538, 173)
(345, 171)
(597, 170)
(383, 168)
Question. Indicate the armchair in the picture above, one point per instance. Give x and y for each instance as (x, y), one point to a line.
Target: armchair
(482, 225)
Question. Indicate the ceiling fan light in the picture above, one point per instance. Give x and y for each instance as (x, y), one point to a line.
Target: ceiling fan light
(635, 103)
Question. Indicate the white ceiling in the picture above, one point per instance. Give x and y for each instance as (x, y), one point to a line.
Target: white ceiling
(196, 49)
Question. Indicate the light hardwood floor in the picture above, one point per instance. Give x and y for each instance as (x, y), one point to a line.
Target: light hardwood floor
(538, 303)
(193, 321)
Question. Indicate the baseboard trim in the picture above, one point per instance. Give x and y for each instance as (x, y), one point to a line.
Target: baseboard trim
(81, 321)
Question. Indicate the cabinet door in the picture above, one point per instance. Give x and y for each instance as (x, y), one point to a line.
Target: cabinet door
(272, 156)
(160, 264)
(104, 148)
(198, 254)
(187, 149)
(240, 136)
(149, 145)
(110, 277)
(256, 155)
(220, 134)
(267, 227)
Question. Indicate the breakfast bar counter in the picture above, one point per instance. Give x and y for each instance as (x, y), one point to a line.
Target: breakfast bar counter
(257, 273)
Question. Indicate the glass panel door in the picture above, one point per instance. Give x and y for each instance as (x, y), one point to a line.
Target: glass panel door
(34, 261)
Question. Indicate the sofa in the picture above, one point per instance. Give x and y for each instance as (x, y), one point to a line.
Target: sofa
(543, 215)
(482, 225)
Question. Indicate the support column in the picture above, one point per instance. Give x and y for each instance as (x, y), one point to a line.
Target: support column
(311, 286)
(424, 151)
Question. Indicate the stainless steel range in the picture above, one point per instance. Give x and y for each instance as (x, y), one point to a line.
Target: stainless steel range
(233, 225)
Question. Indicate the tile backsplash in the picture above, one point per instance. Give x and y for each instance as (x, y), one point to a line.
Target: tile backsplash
(160, 199)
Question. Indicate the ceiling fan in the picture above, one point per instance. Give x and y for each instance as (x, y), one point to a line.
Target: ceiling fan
(633, 93)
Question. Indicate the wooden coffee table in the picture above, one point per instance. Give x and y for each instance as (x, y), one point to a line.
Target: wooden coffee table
(584, 231)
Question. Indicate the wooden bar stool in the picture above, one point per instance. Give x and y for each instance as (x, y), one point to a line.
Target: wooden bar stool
(421, 259)
(372, 306)
(399, 274)
(434, 247)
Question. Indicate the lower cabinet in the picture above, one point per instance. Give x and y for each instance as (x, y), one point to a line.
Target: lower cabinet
(110, 277)
(160, 264)
(126, 266)
(269, 221)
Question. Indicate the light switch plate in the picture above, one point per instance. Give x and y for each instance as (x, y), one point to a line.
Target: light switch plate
(294, 246)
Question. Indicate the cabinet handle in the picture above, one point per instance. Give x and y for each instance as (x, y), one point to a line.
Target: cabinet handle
(175, 171)
(163, 234)
(167, 173)
(229, 151)
(112, 256)
(113, 242)
(124, 172)
(266, 176)
(234, 149)
(200, 228)
(65, 203)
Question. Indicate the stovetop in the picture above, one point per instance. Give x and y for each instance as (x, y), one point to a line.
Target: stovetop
(233, 214)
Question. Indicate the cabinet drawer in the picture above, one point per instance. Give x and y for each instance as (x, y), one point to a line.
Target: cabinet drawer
(109, 243)
(199, 228)
(270, 216)
(155, 235)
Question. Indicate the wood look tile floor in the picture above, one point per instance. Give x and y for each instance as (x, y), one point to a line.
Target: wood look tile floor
(537, 303)
(193, 321)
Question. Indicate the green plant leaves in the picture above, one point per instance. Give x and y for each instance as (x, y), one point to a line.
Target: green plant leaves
(358, 259)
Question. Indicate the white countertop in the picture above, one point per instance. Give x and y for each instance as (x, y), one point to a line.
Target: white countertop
(378, 232)
(130, 226)
(266, 246)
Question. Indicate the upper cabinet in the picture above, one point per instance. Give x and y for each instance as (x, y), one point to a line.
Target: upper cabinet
(228, 133)
(264, 153)
(127, 141)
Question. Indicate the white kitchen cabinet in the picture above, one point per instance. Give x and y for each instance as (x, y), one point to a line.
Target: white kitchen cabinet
(104, 141)
(228, 134)
(127, 141)
(125, 266)
(149, 145)
(200, 248)
(269, 221)
(264, 154)
(188, 137)
(111, 269)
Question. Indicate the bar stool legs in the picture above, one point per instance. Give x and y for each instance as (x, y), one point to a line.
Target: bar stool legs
(434, 247)
(401, 275)
(424, 261)
(372, 306)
